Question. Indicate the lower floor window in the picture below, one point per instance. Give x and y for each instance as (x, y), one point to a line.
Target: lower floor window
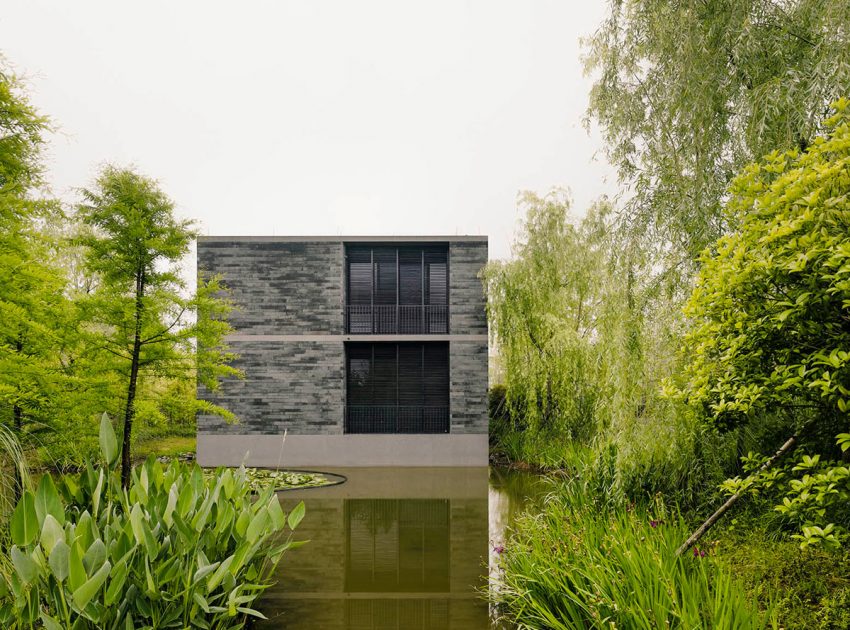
(397, 387)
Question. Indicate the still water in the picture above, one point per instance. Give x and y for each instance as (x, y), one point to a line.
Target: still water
(397, 549)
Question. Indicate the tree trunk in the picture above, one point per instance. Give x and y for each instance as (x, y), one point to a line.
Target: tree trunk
(702, 529)
(134, 375)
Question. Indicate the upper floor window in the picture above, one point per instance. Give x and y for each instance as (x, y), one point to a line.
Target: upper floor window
(397, 289)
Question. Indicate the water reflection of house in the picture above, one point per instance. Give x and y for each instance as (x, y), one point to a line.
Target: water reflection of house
(401, 553)
(363, 350)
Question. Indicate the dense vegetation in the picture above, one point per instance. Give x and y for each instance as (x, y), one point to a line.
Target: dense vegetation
(95, 317)
(94, 313)
(174, 549)
(663, 347)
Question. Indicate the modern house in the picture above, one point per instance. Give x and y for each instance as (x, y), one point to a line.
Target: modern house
(362, 351)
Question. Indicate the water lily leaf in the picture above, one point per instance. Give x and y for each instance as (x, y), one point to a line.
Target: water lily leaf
(84, 594)
(47, 501)
(24, 524)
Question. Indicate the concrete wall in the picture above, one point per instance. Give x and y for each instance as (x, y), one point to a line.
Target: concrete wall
(289, 293)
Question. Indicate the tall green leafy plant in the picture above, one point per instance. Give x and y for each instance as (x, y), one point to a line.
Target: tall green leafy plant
(171, 550)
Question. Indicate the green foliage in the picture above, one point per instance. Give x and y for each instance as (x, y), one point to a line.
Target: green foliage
(808, 589)
(175, 549)
(542, 315)
(585, 563)
(139, 313)
(686, 93)
(770, 311)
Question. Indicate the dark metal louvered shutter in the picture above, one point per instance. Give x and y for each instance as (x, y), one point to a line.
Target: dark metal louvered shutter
(359, 275)
(411, 392)
(386, 289)
(435, 380)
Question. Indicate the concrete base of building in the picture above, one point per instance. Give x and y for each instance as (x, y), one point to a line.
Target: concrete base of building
(317, 451)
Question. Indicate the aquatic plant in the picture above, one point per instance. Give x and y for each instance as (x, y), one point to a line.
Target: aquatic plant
(172, 550)
(583, 563)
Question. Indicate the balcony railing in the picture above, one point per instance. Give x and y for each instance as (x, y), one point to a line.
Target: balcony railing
(396, 419)
(397, 319)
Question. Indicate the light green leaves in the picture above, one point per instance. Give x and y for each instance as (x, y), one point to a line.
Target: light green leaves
(59, 560)
(117, 556)
(24, 524)
(47, 501)
(25, 567)
(86, 591)
(296, 515)
(108, 441)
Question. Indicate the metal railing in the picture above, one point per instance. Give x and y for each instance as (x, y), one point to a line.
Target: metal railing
(396, 419)
(397, 319)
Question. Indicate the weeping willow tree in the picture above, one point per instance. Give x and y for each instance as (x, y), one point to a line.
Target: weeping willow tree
(687, 92)
(549, 307)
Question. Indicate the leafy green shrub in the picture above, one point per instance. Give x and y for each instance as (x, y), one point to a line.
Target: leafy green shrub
(583, 563)
(173, 550)
(770, 312)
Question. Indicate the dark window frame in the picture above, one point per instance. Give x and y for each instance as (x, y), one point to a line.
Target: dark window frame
(381, 395)
(385, 311)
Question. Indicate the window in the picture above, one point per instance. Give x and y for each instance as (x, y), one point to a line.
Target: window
(397, 387)
(397, 289)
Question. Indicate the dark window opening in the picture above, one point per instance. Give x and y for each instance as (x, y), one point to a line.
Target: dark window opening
(397, 388)
(397, 290)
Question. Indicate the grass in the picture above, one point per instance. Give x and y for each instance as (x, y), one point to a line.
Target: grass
(163, 446)
(585, 563)
(809, 589)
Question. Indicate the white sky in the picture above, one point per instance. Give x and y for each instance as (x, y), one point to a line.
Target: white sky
(319, 117)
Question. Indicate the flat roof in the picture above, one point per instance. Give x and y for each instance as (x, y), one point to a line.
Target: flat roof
(347, 239)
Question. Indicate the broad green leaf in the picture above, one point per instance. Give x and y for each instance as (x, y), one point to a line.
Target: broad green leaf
(258, 525)
(137, 523)
(51, 533)
(59, 560)
(24, 523)
(25, 567)
(84, 594)
(76, 571)
(296, 515)
(108, 442)
(276, 512)
(47, 500)
(49, 622)
(219, 574)
(117, 578)
(94, 557)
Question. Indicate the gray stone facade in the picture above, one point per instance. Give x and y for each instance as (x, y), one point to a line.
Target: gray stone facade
(290, 337)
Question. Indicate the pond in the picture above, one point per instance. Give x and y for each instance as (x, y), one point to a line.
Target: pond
(397, 548)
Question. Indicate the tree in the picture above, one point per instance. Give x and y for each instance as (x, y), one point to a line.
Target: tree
(687, 92)
(771, 321)
(139, 309)
(546, 312)
(31, 287)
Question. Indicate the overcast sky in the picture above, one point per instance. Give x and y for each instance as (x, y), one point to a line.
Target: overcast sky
(319, 117)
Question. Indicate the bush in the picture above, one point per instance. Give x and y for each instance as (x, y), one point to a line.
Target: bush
(173, 550)
(587, 563)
